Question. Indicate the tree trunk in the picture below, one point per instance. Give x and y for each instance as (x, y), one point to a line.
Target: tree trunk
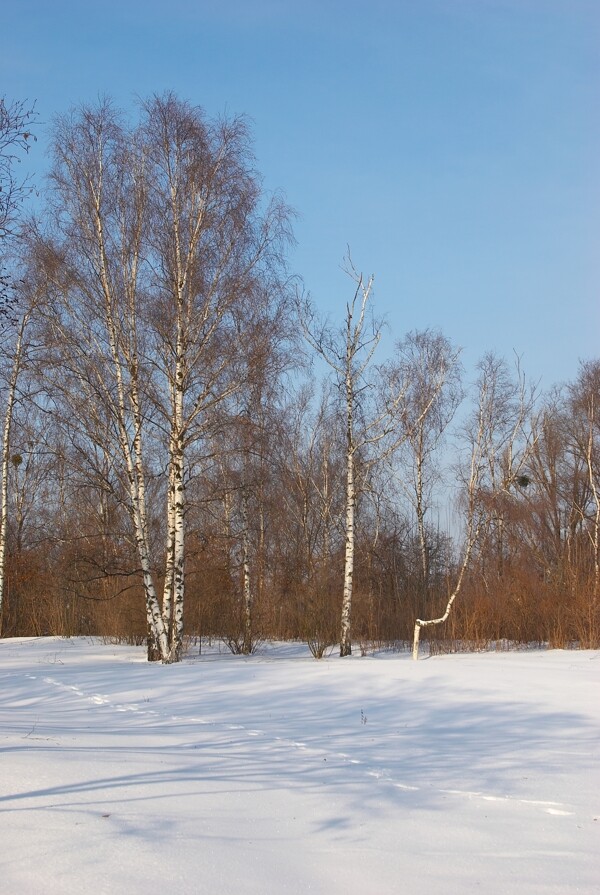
(167, 603)
(345, 639)
(247, 588)
(178, 553)
(420, 512)
(8, 415)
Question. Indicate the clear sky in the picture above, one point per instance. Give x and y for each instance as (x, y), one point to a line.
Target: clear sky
(454, 145)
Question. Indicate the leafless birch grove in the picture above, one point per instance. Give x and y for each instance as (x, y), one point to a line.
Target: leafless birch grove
(153, 249)
(191, 451)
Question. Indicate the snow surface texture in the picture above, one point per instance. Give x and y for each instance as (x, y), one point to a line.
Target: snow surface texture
(279, 774)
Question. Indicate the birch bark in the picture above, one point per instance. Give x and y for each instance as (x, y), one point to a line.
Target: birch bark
(595, 532)
(128, 394)
(157, 245)
(496, 434)
(349, 357)
(8, 418)
(345, 639)
(247, 585)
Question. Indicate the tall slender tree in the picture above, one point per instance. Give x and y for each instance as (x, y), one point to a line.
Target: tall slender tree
(427, 366)
(156, 242)
(16, 119)
(349, 353)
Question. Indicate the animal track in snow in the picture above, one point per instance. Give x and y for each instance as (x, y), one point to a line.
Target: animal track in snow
(556, 809)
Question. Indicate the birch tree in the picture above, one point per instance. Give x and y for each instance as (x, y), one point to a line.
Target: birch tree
(157, 240)
(246, 454)
(348, 356)
(90, 254)
(16, 118)
(310, 461)
(559, 489)
(14, 370)
(585, 404)
(499, 446)
(427, 366)
(349, 353)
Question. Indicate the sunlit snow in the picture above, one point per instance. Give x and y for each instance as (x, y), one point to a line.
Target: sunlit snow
(280, 774)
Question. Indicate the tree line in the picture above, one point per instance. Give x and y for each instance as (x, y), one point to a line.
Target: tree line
(172, 467)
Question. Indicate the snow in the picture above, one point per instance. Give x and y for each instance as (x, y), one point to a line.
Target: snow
(280, 774)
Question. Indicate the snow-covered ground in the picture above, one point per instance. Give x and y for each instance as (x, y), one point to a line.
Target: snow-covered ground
(279, 774)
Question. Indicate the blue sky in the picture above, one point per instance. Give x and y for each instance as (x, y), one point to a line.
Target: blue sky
(454, 145)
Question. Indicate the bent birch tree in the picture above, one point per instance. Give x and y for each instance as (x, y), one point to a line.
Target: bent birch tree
(499, 448)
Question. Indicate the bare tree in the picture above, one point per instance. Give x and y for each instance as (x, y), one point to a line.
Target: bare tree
(349, 353)
(311, 459)
(16, 119)
(585, 404)
(157, 242)
(15, 138)
(427, 369)
(558, 488)
(14, 372)
(246, 456)
(499, 446)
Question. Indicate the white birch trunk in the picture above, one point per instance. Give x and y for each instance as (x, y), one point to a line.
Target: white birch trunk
(247, 587)
(157, 631)
(167, 604)
(183, 259)
(345, 639)
(475, 521)
(158, 646)
(349, 364)
(8, 416)
(595, 532)
(420, 512)
(178, 551)
(326, 508)
(173, 592)
(422, 623)
(261, 558)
